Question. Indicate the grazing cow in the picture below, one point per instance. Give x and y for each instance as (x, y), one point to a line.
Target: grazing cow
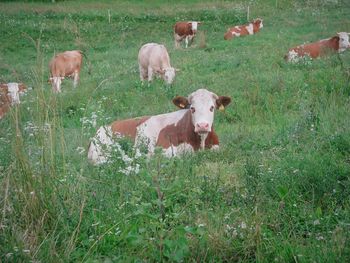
(248, 29)
(185, 30)
(185, 130)
(338, 43)
(9, 96)
(154, 59)
(65, 64)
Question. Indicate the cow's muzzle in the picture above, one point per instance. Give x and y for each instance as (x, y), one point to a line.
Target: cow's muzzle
(202, 127)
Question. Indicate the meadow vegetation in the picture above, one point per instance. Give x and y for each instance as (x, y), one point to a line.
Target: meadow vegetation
(277, 191)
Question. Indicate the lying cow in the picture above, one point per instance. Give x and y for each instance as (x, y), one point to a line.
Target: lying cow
(338, 43)
(185, 31)
(185, 130)
(154, 59)
(248, 29)
(65, 64)
(9, 96)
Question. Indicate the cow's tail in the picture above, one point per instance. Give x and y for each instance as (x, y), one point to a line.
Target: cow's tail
(87, 61)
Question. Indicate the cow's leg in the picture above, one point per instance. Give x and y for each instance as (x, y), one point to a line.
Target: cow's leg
(56, 84)
(190, 39)
(76, 79)
(143, 73)
(177, 40)
(150, 74)
(186, 41)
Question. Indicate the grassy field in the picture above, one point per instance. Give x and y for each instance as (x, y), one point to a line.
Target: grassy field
(277, 191)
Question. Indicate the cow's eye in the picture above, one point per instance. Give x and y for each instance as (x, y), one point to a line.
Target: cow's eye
(193, 109)
(212, 108)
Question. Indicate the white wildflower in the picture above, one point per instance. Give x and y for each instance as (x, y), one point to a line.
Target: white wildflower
(316, 222)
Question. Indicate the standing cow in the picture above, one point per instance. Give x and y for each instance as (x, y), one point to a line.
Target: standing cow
(65, 64)
(185, 31)
(154, 59)
(9, 96)
(186, 130)
(338, 43)
(248, 29)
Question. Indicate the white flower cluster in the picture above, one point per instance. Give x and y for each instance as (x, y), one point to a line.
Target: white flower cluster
(33, 129)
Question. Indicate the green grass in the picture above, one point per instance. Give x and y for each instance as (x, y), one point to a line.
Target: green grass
(277, 191)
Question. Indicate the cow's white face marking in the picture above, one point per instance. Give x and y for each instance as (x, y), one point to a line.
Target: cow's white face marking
(250, 29)
(203, 104)
(343, 41)
(13, 92)
(194, 26)
(261, 24)
(169, 75)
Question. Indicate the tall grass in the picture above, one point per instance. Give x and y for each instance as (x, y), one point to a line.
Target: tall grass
(278, 190)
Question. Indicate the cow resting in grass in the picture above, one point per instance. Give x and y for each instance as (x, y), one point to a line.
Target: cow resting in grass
(154, 59)
(186, 130)
(185, 31)
(248, 29)
(338, 43)
(9, 96)
(65, 64)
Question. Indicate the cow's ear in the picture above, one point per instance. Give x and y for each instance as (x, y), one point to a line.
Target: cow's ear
(181, 102)
(222, 102)
(22, 87)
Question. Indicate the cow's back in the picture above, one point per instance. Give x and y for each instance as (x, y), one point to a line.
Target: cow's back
(128, 127)
(153, 55)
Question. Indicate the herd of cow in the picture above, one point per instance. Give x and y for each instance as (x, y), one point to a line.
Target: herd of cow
(186, 130)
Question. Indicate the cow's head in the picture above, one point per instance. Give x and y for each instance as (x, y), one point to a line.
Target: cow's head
(168, 74)
(343, 41)
(202, 104)
(258, 22)
(22, 88)
(13, 93)
(194, 25)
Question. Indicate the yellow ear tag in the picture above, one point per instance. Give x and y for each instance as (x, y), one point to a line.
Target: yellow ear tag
(181, 105)
(221, 108)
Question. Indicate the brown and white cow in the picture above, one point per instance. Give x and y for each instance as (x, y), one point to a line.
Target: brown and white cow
(154, 59)
(248, 29)
(338, 43)
(185, 31)
(9, 96)
(186, 130)
(65, 64)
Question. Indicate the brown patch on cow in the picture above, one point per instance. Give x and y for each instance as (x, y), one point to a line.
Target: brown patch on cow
(183, 132)
(183, 29)
(128, 127)
(317, 49)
